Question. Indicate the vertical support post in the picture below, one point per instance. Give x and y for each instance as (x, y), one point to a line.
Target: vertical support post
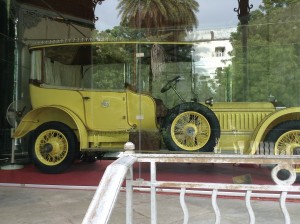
(129, 196)
(215, 206)
(284, 210)
(243, 14)
(184, 207)
(249, 207)
(153, 193)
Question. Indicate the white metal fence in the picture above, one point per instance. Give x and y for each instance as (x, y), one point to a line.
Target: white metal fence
(105, 197)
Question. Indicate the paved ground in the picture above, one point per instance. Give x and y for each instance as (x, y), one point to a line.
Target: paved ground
(52, 206)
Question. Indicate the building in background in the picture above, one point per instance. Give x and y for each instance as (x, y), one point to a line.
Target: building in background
(210, 57)
(212, 51)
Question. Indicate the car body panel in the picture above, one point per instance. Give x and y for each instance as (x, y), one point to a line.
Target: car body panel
(238, 120)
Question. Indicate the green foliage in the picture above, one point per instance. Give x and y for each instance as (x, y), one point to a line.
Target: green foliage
(183, 87)
(158, 16)
(101, 77)
(269, 64)
(115, 62)
(224, 86)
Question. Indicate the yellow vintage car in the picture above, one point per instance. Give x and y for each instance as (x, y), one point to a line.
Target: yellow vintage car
(85, 104)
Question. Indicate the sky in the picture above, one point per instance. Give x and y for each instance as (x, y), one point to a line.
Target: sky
(212, 13)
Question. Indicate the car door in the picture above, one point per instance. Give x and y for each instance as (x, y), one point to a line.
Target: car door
(105, 111)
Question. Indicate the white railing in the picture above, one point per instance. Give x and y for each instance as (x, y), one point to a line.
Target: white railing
(106, 194)
(110, 185)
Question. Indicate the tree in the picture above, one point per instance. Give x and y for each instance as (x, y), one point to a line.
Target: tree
(162, 20)
(273, 51)
(270, 5)
(159, 17)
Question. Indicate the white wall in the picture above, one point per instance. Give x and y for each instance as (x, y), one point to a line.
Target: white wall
(205, 58)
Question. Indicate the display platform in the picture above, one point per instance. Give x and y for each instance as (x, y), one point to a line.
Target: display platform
(89, 174)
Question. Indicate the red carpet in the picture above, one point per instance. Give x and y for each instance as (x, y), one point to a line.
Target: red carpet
(80, 174)
(89, 174)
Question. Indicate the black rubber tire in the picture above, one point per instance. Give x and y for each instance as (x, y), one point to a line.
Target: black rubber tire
(273, 136)
(66, 139)
(193, 108)
(280, 129)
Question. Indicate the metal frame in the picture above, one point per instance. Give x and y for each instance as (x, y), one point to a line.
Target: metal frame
(106, 194)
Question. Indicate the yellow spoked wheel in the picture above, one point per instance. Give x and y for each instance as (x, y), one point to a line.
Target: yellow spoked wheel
(190, 130)
(288, 144)
(285, 140)
(53, 148)
(191, 127)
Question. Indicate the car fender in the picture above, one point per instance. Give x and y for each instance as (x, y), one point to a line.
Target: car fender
(275, 118)
(41, 115)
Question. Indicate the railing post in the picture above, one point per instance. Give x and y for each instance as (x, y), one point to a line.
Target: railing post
(153, 193)
(129, 149)
(105, 197)
(183, 206)
(129, 196)
(249, 207)
(215, 206)
(285, 212)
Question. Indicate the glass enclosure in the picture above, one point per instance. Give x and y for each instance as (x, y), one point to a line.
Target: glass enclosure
(184, 76)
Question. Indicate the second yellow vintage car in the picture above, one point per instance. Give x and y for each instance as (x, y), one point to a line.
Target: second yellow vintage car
(85, 104)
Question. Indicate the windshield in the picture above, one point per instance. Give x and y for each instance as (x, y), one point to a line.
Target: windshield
(208, 68)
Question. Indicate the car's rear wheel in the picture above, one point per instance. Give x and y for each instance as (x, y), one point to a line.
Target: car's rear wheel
(191, 127)
(53, 147)
(285, 140)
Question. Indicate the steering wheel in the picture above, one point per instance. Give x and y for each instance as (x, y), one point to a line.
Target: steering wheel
(170, 83)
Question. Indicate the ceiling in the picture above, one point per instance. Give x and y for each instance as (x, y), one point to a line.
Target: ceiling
(83, 9)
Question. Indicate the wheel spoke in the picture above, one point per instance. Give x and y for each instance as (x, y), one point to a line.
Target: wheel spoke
(287, 142)
(59, 146)
(191, 130)
(191, 141)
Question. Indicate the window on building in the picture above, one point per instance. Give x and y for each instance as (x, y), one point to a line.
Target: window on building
(219, 51)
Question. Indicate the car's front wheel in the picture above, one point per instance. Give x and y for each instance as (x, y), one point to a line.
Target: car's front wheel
(191, 127)
(53, 147)
(284, 139)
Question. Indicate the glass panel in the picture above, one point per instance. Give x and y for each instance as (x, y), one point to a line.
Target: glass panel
(6, 87)
(227, 51)
(15, 101)
(187, 76)
(36, 65)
